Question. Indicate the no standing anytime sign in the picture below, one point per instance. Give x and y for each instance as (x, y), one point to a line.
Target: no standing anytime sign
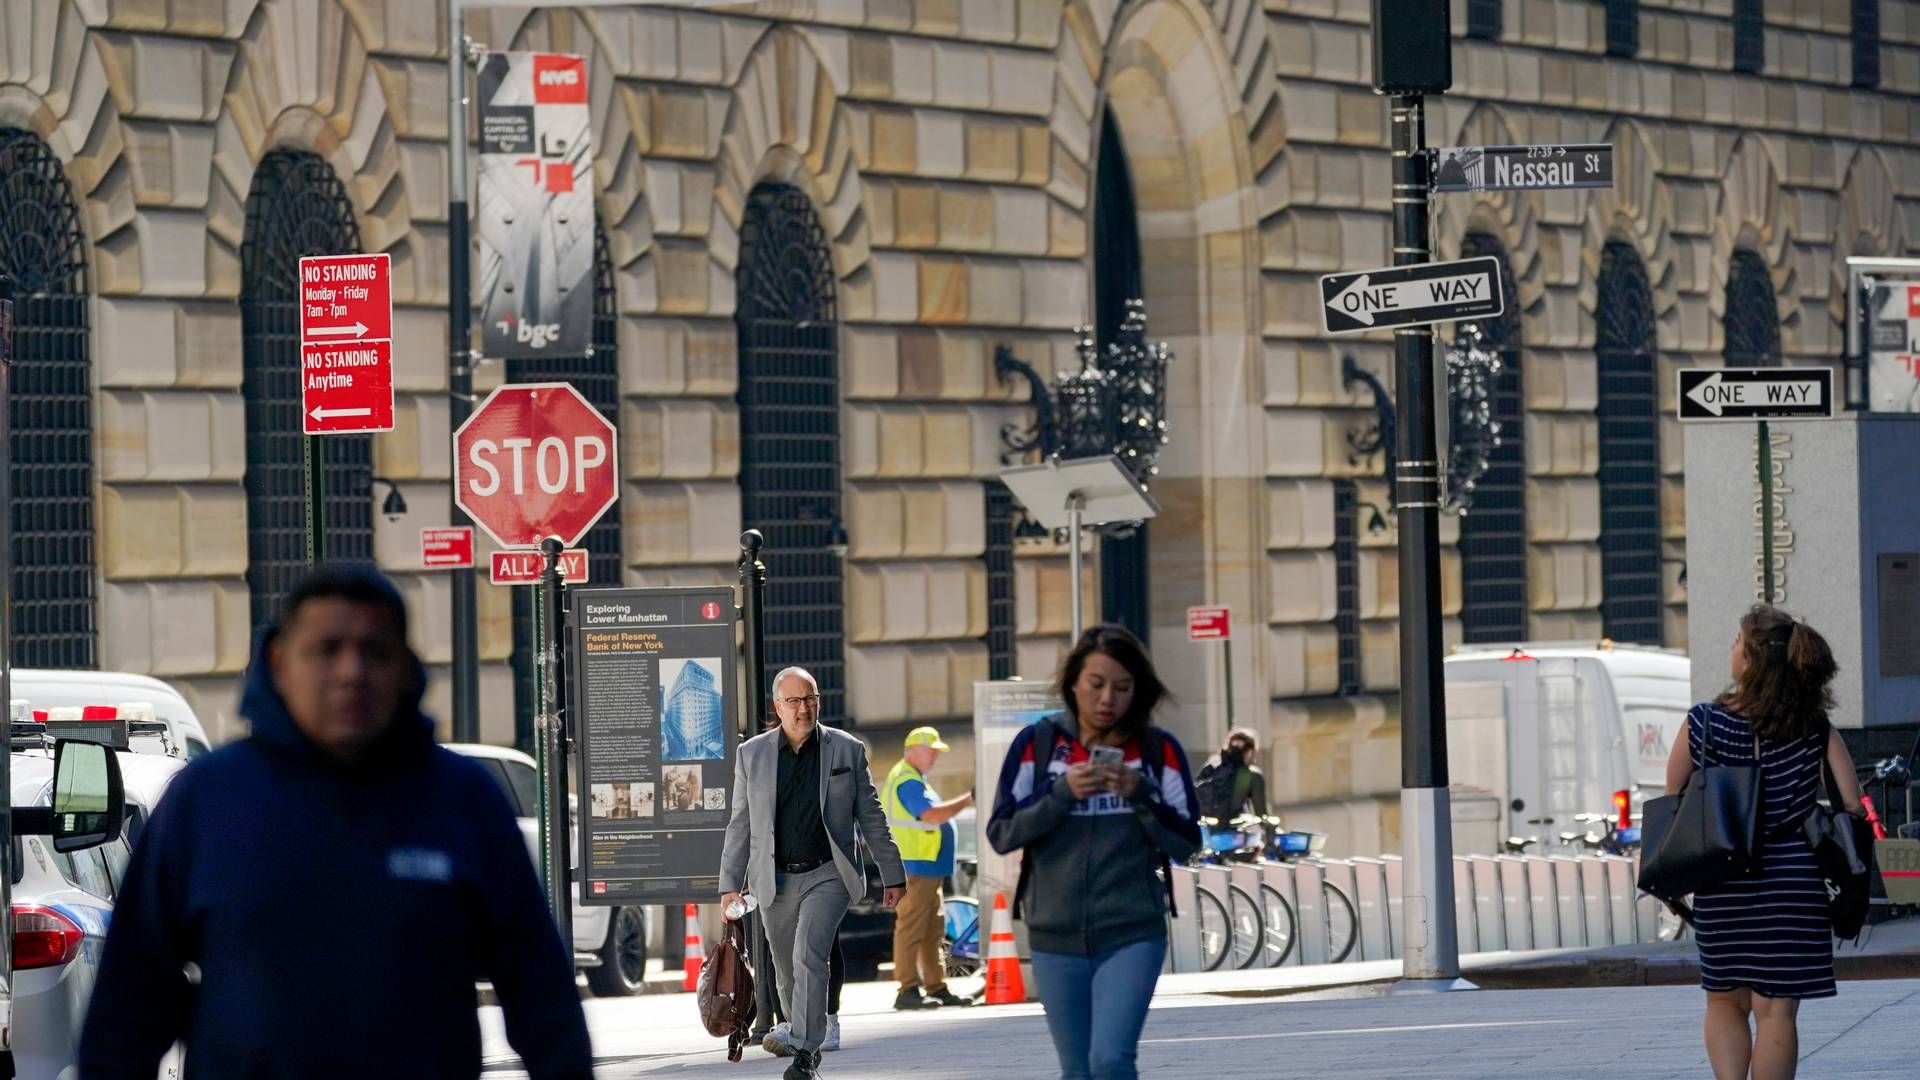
(346, 344)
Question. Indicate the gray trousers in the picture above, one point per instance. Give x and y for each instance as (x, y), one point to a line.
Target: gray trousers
(801, 924)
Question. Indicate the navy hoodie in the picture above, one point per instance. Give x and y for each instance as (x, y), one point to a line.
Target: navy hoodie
(338, 918)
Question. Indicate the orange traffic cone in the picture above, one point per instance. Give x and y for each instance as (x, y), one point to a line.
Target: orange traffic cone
(696, 952)
(1004, 985)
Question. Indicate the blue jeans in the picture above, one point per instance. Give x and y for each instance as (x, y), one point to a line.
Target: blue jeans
(1098, 1044)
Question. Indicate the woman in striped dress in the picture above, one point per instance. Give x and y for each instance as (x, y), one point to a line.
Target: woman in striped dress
(1766, 941)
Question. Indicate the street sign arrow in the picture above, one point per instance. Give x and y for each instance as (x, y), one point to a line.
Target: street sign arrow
(358, 329)
(1408, 295)
(1756, 393)
(320, 413)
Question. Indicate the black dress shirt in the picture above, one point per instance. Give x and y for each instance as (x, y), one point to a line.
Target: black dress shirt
(799, 833)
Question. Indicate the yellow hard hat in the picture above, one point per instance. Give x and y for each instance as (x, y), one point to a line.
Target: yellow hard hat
(925, 736)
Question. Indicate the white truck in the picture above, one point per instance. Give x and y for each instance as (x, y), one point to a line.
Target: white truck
(1540, 732)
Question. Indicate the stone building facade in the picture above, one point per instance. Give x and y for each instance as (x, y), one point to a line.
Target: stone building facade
(936, 166)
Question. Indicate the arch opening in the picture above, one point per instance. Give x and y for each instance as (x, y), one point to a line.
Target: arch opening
(1629, 414)
(1752, 318)
(1493, 530)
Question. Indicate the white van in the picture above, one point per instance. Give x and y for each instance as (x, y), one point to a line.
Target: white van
(50, 689)
(1554, 730)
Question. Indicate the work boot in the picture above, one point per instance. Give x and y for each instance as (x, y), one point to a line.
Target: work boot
(944, 996)
(779, 1041)
(805, 1066)
(909, 999)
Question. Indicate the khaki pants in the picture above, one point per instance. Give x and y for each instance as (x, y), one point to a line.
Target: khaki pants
(918, 925)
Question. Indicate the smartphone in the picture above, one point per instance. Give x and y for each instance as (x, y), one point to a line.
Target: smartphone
(1108, 755)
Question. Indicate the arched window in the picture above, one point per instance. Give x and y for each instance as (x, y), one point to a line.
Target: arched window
(1752, 319)
(1485, 19)
(1623, 27)
(297, 207)
(50, 409)
(1493, 530)
(1624, 344)
(1002, 656)
(597, 376)
(1866, 43)
(1124, 585)
(790, 434)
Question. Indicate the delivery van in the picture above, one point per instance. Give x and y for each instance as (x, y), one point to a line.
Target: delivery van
(1551, 730)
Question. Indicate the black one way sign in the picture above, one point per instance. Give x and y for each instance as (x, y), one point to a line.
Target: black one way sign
(1406, 295)
(1756, 393)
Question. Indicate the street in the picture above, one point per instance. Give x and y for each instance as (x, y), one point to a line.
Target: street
(1640, 1032)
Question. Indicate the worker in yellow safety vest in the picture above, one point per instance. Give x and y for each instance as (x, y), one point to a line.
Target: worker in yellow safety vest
(921, 826)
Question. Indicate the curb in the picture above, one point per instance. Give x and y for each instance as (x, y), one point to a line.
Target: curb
(486, 996)
(1663, 971)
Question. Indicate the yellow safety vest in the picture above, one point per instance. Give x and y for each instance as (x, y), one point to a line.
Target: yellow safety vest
(917, 840)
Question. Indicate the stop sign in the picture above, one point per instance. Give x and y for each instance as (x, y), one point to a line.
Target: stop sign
(535, 460)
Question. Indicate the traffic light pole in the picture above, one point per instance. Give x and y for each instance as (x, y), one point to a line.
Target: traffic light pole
(466, 616)
(1432, 953)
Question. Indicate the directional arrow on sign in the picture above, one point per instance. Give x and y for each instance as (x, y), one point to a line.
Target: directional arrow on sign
(358, 329)
(321, 412)
(1408, 295)
(1756, 393)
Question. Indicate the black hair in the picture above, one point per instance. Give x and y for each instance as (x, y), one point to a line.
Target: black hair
(1118, 644)
(354, 584)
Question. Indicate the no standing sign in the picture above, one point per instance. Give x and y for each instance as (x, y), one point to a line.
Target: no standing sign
(346, 344)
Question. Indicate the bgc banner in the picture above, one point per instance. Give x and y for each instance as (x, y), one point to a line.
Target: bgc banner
(536, 206)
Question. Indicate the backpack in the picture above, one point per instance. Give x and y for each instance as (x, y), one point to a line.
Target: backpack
(725, 991)
(1153, 755)
(1215, 792)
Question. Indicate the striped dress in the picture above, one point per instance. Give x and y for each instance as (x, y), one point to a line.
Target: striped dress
(1769, 933)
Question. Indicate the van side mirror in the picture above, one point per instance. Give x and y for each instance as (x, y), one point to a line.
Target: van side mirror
(89, 802)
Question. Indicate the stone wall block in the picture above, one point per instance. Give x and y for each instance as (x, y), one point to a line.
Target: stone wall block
(419, 349)
(211, 546)
(1452, 581)
(1379, 579)
(876, 522)
(904, 588)
(1301, 586)
(870, 364)
(120, 426)
(126, 626)
(1380, 657)
(949, 587)
(947, 442)
(966, 525)
(877, 682)
(1302, 660)
(133, 343)
(1300, 514)
(185, 620)
(141, 531)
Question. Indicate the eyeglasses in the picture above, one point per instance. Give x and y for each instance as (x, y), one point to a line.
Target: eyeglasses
(796, 702)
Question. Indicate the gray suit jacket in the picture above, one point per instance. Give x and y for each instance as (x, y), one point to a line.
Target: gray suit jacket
(847, 799)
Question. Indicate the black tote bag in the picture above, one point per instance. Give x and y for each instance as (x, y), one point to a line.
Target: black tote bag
(1843, 847)
(1705, 835)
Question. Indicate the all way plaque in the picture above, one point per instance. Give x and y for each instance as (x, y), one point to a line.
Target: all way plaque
(657, 713)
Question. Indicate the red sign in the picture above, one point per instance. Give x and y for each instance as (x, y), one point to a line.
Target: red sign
(535, 460)
(525, 567)
(1209, 623)
(442, 549)
(346, 344)
(559, 79)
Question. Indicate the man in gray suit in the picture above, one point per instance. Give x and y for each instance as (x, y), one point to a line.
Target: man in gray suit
(799, 790)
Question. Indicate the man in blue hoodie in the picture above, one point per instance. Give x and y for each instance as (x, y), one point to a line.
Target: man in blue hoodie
(320, 898)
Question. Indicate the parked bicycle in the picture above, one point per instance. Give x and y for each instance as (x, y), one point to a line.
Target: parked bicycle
(1265, 929)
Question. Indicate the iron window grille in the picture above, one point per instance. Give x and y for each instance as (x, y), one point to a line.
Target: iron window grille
(296, 207)
(1493, 530)
(50, 410)
(1002, 611)
(1623, 27)
(597, 376)
(1749, 36)
(1752, 319)
(1866, 43)
(789, 401)
(1346, 562)
(1486, 19)
(1629, 415)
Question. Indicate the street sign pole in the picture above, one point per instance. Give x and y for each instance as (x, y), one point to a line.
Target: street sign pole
(316, 500)
(466, 620)
(1763, 461)
(553, 744)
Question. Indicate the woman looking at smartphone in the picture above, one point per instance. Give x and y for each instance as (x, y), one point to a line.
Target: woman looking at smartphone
(1100, 800)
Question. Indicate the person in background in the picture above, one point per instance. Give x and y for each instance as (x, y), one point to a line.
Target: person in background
(1230, 784)
(1766, 941)
(799, 792)
(923, 831)
(320, 898)
(1101, 801)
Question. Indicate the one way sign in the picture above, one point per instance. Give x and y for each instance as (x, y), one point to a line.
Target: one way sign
(1406, 295)
(1756, 393)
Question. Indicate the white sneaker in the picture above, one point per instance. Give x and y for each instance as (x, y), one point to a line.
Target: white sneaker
(779, 1040)
(832, 1041)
